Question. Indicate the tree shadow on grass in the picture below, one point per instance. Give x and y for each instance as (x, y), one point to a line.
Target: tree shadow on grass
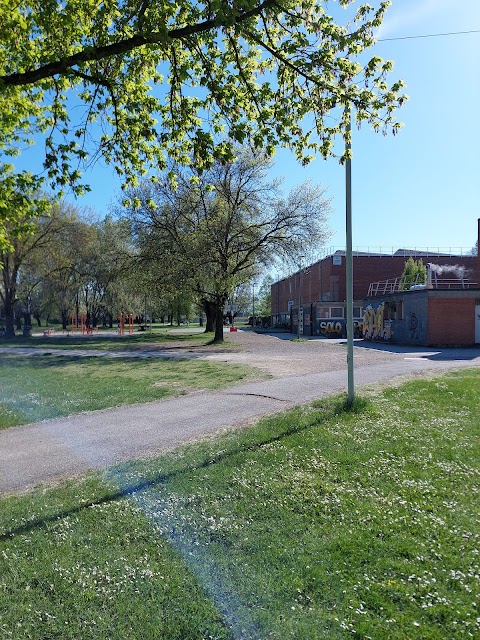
(99, 341)
(325, 411)
(56, 360)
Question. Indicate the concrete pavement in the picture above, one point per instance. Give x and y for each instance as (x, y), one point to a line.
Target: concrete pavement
(52, 449)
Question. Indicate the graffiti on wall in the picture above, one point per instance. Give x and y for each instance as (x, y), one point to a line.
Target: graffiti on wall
(328, 327)
(374, 325)
(338, 329)
(413, 326)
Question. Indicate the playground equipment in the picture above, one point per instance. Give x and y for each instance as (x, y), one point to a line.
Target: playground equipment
(79, 323)
(126, 318)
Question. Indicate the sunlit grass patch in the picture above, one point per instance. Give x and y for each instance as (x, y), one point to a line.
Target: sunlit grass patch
(315, 523)
(41, 387)
(98, 570)
(360, 523)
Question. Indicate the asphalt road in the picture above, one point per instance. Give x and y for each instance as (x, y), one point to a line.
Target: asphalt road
(47, 451)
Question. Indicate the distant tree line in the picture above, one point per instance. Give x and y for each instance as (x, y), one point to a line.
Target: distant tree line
(186, 247)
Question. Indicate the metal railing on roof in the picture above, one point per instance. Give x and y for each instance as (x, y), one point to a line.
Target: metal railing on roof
(395, 285)
(406, 253)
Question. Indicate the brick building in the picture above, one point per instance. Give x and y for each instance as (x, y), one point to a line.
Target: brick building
(319, 291)
(427, 317)
(445, 311)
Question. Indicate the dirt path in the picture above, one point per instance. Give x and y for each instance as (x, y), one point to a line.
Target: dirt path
(279, 355)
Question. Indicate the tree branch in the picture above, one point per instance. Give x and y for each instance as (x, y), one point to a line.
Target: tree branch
(95, 53)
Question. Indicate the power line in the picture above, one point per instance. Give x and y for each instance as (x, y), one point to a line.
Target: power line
(430, 35)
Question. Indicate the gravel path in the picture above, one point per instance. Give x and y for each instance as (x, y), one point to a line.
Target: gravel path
(280, 356)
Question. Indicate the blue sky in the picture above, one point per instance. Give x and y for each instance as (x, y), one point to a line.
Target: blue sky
(422, 187)
(418, 189)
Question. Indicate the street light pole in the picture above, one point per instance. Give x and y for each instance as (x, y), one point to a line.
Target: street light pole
(349, 261)
(299, 299)
(253, 304)
(300, 270)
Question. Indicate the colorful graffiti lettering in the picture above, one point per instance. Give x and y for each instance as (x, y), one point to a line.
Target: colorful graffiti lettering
(374, 327)
(378, 328)
(335, 328)
(368, 322)
(331, 327)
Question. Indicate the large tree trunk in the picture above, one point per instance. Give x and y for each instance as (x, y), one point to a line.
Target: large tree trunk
(218, 323)
(9, 316)
(27, 323)
(18, 317)
(64, 313)
(27, 318)
(209, 309)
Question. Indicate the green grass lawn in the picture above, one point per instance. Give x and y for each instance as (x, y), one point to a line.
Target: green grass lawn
(159, 338)
(316, 523)
(39, 387)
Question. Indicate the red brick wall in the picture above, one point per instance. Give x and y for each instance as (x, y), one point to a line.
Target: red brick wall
(451, 321)
(317, 281)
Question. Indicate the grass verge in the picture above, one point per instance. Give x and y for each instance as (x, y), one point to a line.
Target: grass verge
(40, 387)
(316, 523)
(158, 339)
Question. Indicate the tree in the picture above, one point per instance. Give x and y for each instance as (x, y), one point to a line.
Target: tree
(20, 203)
(27, 237)
(242, 297)
(105, 263)
(29, 289)
(186, 79)
(263, 306)
(85, 268)
(63, 265)
(414, 272)
(213, 231)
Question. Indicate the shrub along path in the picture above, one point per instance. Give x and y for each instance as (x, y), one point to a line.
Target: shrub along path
(51, 449)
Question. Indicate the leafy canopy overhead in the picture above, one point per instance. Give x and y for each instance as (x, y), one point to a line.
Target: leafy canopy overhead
(21, 202)
(147, 79)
